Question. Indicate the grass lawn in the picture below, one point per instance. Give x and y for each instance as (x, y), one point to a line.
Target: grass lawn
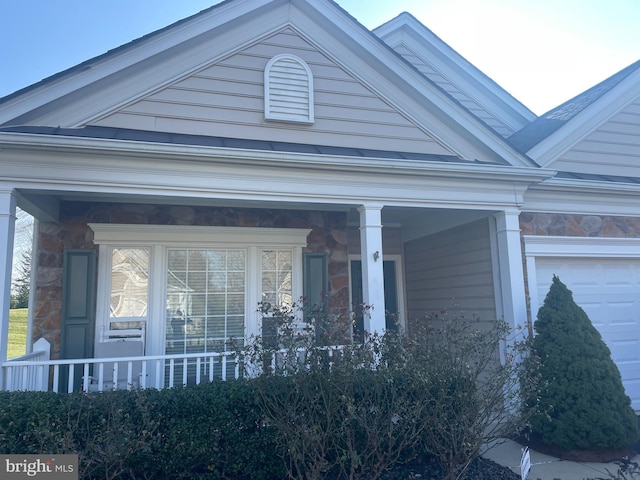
(17, 332)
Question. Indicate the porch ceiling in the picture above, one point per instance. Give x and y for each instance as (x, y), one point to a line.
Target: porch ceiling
(44, 204)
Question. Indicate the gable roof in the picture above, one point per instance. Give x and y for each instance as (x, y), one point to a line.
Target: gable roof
(555, 131)
(142, 65)
(440, 63)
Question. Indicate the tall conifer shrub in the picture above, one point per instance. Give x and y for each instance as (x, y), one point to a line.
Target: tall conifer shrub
(582, 390)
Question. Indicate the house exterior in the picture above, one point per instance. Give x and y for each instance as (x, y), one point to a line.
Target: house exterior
(267, 150)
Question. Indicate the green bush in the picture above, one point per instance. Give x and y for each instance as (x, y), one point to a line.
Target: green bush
(352, 413)
(212, 431)
(583, 399)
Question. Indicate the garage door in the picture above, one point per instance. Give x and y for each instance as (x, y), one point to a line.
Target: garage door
(609, 292)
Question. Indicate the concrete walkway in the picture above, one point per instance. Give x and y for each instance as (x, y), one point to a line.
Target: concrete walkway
(544, 467)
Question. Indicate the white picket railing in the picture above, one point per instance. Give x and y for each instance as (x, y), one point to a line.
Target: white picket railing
(116, 373)
(25, 374)
(36, 372)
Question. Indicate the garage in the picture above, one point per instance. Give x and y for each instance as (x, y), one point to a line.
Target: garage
(608, 289)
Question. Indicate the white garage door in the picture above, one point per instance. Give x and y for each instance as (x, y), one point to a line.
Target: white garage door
(609, 292)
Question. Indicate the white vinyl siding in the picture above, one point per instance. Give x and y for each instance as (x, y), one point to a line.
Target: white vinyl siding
(451, 270)
(227, 100)
(288, 90)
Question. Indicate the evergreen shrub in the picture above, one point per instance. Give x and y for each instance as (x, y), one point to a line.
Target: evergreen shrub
(212, 431)
(582, 398)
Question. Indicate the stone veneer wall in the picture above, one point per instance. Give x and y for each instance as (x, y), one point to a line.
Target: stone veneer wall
(549, 224)
(328, 235)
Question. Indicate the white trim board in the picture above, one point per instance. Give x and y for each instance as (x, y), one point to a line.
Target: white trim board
(552, 246)
(124, 234)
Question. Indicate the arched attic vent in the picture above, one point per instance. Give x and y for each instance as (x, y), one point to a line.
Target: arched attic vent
(288, 90)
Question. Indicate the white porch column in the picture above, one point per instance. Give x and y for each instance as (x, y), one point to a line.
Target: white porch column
(372, 272)
(514, 303)
(7, 231)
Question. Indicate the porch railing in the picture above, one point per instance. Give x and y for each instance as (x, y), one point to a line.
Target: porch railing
(117, 373)
(36, 372)
(27, 372)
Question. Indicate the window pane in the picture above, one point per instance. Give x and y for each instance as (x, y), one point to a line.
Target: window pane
(276, 275)
(218, 281)
(206, 300)
(217, 260)
(197, 261)
(269, 282)
(269, 260)
(236, 282)
(285, 298)
(129, 282)
(284, 260)
(217, 304)
(178, 261)
(236, 260)
(196, 281)
(284, 281)
(235, 304)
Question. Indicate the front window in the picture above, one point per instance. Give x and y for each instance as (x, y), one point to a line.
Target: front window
(195, 289)
(206, 297)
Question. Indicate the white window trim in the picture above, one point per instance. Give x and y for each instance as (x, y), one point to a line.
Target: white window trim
(159, 238)
(184, 235)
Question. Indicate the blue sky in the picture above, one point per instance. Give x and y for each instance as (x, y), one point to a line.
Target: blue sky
(543, 52)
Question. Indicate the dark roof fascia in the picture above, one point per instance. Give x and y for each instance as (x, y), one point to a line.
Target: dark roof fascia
(547, 124)
(130, 135)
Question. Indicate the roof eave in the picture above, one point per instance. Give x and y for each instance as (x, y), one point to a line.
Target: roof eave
(26, 142)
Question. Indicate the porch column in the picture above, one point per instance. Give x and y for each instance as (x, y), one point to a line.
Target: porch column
(372, 271)
(514, 303)
(7, 231)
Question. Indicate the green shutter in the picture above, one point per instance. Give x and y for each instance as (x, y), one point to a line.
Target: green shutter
(78, 306)
(316, 282)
